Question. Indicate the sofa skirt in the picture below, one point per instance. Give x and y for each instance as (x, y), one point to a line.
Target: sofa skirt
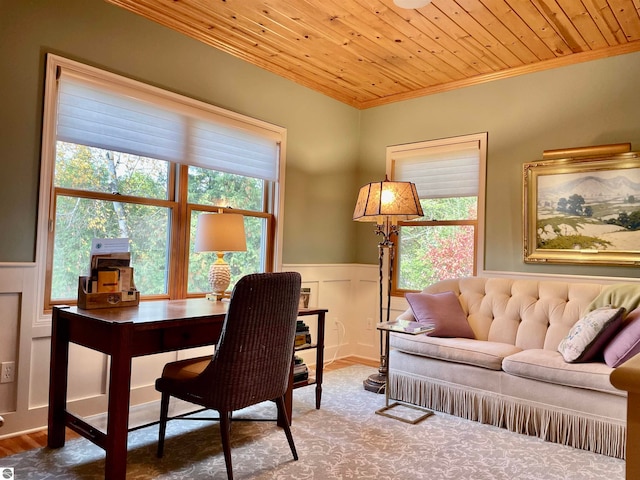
(577, 429)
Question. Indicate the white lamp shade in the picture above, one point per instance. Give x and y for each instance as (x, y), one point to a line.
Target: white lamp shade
(220, 232)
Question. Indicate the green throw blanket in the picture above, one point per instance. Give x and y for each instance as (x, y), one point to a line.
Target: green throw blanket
(619, 295)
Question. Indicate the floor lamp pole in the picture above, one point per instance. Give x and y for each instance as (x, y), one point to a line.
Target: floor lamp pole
(377, 382)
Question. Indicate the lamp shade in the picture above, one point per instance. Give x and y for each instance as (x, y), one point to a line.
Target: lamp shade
(387, 199)
(220, 232)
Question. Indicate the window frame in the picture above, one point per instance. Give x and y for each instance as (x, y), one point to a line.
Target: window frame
(392, 157)
(177, 182)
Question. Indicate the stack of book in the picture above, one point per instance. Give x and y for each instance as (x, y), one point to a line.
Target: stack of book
(300, 370)
(303, 337)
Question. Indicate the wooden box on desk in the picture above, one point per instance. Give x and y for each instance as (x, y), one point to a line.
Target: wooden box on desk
(88, 301)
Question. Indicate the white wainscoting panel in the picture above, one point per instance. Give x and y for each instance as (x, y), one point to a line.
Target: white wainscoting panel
(39, 384)
(348, 291)
(17, 304)
(9, 339)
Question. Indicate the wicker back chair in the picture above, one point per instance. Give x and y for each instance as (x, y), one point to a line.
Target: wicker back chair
(252, 359)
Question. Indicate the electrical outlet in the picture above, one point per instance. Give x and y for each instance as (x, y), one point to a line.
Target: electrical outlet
(7, 372)
(369, 323)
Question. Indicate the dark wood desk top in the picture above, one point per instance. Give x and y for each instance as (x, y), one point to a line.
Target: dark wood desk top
(163, 311)
(154, 311)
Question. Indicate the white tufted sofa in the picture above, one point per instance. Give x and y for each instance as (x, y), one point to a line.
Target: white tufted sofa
(511, 375)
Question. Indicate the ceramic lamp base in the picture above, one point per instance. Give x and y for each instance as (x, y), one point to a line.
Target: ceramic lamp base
(219, 276)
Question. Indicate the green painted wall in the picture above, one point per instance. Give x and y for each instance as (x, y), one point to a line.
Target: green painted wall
(332, 149)
(593, 103)
(322, 145)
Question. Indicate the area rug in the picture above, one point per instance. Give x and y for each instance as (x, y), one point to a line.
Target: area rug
(345, 439)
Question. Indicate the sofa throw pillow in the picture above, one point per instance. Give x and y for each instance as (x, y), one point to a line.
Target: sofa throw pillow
(626, 343)
(588, 335)
(443, 310)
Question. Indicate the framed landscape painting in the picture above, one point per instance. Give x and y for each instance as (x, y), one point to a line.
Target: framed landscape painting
(583, 210)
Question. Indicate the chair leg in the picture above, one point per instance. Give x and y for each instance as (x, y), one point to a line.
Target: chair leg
(164, 413)
(282, 412)
(225, 434)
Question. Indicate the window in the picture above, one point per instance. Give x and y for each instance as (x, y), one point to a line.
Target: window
(122, 159)
(447, 241)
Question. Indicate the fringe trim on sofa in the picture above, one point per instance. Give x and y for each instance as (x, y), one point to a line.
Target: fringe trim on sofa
(558, 426)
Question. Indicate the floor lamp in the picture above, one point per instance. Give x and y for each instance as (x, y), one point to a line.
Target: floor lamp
(386, 203)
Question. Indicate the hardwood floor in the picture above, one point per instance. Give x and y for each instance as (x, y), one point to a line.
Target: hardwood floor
(21, 443)
(348, 361)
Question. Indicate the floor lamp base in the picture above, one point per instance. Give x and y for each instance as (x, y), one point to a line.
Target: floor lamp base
(376, 383)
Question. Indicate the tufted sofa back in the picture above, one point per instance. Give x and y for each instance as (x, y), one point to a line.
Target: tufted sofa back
(525, 313)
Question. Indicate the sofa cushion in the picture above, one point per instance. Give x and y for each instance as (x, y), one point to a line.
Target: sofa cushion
(549, 366)
(478, 353)
(626, 343)
(443, 310)
(589, 335)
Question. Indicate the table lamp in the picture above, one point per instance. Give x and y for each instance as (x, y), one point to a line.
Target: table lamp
(386, 203)
(220, 233)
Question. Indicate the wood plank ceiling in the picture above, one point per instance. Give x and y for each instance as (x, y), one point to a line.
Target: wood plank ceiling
(370, 52)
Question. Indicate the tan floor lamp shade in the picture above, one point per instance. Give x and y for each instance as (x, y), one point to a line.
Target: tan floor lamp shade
(220, 233)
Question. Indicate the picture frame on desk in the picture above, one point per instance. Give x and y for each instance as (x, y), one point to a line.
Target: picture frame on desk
(305, 295)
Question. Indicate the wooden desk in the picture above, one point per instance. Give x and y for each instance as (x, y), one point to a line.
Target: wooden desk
(124, 333)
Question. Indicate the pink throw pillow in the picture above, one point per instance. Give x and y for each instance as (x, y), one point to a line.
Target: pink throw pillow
(626, 343)
(443, 310)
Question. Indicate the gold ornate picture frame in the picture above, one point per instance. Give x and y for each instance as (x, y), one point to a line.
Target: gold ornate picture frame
(583, 210)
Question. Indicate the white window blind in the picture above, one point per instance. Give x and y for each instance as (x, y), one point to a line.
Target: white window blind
(441, 171)
(232, 150)
(128, 120)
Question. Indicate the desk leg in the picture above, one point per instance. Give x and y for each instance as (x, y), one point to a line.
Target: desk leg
(319, 358)
(58, 380)
(118, 414)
